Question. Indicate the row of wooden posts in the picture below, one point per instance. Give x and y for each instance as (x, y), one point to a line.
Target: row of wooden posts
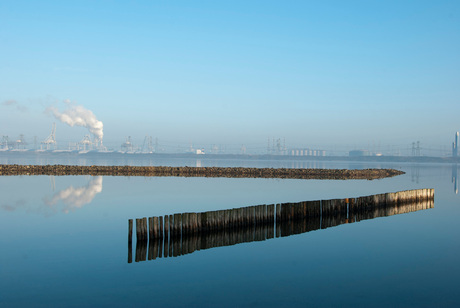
(178, 234)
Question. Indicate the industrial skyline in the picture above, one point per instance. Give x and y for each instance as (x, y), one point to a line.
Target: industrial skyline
(272, 146)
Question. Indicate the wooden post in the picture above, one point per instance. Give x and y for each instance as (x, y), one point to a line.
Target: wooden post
(185, 223)
(151, 235)
(171, 226)
(326, 207)
(138, 229)
(160, 226)
(155, 228)
(145, 228)
(193, 224)
(278, 212)
(271, 213)
(130, 230)
(204, 222)
(198, 223)
(166, 228)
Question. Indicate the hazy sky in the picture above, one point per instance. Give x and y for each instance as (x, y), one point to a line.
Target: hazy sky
(318, 73)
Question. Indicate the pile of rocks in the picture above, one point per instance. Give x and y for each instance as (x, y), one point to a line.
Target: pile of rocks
(229, 172)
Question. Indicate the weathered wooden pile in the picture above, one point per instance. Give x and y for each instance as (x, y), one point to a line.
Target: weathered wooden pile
(229, 172)
(179, 234)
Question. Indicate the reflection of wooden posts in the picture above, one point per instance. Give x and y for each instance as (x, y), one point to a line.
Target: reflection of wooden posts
(185, 233)
(130, 241)
(142, 245)
(160, 247)
(170, 242)
(150, 249)
(130, 252)
(271, 220)
(156, 248)
(141, 250)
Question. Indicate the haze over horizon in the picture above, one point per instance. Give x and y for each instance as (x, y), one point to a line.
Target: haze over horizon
(320, 74)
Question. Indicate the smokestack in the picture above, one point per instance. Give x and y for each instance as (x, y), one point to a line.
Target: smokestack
(79, 116)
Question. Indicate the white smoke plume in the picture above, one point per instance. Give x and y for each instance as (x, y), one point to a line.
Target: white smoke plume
(12, 102)
(79, 116)
(75, 198)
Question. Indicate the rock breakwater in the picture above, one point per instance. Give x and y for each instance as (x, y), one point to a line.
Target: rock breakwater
(228, 172)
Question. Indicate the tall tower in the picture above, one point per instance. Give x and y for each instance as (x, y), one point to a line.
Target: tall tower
(455, 146)
(51, 139)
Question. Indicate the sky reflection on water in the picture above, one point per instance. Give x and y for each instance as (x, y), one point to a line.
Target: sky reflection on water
(67, 246)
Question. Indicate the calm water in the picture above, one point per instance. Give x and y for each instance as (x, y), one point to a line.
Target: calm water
(64, 241)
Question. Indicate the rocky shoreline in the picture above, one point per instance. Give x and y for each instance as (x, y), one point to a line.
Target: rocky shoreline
(228, 172)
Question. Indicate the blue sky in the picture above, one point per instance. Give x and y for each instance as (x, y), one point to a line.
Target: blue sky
(318, 73)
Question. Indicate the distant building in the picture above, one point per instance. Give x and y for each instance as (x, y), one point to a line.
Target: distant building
(306, 152)
(455, 146)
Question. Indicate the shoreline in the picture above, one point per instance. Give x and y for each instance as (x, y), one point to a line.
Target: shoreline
(251, 157)
(227, 172)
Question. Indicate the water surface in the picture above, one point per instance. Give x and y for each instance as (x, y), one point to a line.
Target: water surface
(64, 242)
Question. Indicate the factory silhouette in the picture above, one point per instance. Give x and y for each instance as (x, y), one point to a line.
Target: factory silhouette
(93, 143)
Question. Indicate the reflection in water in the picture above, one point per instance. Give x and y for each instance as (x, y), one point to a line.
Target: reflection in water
(75, 198)
(72, 198)
(188, 232)
(415, 173)
(21, 203)
(454, 177)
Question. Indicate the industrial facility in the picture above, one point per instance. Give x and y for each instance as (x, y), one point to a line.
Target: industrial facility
(92, 142)
(455, 145)
(306, 152)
